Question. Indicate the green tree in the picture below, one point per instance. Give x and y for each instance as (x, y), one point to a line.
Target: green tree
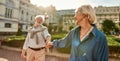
(19, 32)
(108, 26)
(71, 27)
(50, 27)
(60, 29)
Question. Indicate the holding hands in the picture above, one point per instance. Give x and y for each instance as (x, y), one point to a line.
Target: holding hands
(49, 44)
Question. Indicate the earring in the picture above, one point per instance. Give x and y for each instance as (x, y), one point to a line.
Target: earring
(88, 17)
(89, 20)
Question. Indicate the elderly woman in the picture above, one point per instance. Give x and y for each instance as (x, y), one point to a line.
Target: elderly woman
(86, 41)
(35, 42)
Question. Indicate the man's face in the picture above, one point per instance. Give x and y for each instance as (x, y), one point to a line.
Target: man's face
(39, 20)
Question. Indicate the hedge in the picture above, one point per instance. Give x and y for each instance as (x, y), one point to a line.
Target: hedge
(17, 41)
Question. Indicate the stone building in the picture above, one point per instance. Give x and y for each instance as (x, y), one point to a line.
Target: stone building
(9, 16)
(102, 13)
(110, 13)
(67, 18)
(27, 12)
(15, 14)
(53, 16)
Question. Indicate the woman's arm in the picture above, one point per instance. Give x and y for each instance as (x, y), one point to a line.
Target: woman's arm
(64, 42)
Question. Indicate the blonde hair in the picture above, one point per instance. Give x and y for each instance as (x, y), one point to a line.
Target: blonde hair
(88, 10)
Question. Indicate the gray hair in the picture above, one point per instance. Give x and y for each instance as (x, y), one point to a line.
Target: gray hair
(40, 16)
(88, 10)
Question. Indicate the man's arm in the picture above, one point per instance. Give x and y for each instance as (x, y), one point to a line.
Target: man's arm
(25, 46)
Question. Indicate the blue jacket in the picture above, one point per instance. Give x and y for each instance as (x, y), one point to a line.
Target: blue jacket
(93, 47)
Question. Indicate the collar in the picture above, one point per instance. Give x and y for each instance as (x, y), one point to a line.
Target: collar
(93, 32)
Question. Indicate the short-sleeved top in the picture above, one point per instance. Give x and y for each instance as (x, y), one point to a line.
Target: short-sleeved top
(92, 48)
(31, 42)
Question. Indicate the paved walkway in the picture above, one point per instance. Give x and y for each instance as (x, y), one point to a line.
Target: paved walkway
(9, 55)
(13, 54)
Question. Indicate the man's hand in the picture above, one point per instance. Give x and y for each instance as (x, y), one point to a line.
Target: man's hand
(23, 54)
(49, 44)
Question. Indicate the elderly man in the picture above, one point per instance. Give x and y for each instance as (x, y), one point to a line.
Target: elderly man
(37, 37)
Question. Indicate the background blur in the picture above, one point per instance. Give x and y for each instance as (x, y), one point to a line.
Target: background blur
(16, 16)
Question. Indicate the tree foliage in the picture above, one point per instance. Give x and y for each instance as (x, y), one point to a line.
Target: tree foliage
(19, 31)
(108, 26)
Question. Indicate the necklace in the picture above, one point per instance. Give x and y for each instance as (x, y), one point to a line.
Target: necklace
(83, 33)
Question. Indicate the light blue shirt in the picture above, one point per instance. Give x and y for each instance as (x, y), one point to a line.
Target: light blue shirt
(93, 47)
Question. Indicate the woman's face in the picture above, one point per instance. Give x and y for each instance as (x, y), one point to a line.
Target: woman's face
(79, 17)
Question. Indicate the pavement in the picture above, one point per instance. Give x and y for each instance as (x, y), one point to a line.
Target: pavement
(9, 55)
(13, 54)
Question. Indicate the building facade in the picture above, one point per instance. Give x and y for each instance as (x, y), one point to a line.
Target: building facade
(102, 13)
(52, 16)
(67, 18)
(17, 14)
(9, 16)
(110, 13)
(27, 12)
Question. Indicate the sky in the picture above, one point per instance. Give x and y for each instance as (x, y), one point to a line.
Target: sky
(72, 4)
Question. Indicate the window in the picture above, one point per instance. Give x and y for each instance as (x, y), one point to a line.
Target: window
(8, 13)
(22, 12)
(27, 13)
(26, 27)
(27, 16)
(7, 25)
(31, 17)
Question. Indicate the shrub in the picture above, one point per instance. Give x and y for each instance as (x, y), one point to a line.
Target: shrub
(114, 45)
(14, 41)
(17, 41)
